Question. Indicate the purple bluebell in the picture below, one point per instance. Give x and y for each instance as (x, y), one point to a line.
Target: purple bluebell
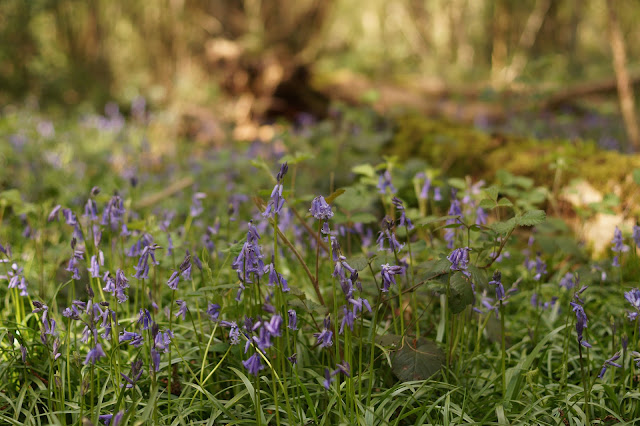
(196, 208)
(437, 194)
(276, 278)
(91, 210)
(253, 364)
(73, 264)
(390, 238)
(384, 183)
(94, 354)
(136, 340)
(24, 353)
(325, 337)
(213, 311)
(273, 326)
(55, 352)
(426, 186)
(234, 332)
(343, 368)
(348, 319)
(541, 268)
(155, 359)
(481, 216)
(293, 319)
(96, 261)
(388, 273)
(459, 259)
(17, 280)
(54, 215)
(636, 235)
(134, 376)
(142, 269)
(144, 319)
(610, 362)
(113, 213)
(327, 379)
(320, 210)
(183, 309)
(174, 279)
(185, 267)
(568, 281)
(581, 323)
(276, 202)
(497, 281)
(162, 340)
(404, 220)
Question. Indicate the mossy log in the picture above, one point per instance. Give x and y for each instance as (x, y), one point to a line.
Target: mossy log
(462, 150)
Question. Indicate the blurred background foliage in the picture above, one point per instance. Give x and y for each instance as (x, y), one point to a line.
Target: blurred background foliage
(248, 59)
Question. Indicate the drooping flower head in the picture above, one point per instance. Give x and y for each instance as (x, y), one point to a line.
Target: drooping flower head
(320, 209)
(388, 273)
(384, 183)
(497, 281)
(459, 259)
(404, 220)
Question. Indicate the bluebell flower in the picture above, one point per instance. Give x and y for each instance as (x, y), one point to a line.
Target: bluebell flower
(481, 216)
(497, 281)
(459, 259)
(610, 362)
(404, 220)
(581, 323)
(213, 311)
(234, 333)
(325, 337)
(183, 309)
(113, 213)
(541, 268)
(276, 202)
(134, 376)
(320, 210)
(196, 208)
(293, 319)
(136, 340)
(636, 235)
(54, 214)
(17, 280)
(568, 281)
(253, 364)
(389, 237)
(424, 191)
(348, 319)
(384, 183)
(174, 279)
(388, 273)
(94, 354)
(327, 379)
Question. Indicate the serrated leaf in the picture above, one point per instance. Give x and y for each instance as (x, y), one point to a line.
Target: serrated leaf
(492, 192)
(487, 204)
(417, 363)
(359, 262)
(461, 293)
(478, 276)
(532, 218)
(308, 306)
(504, 227)
(235, 249)
(505, 202)
(433, 219)
(389, 340)
(336, 194)
(364, 169)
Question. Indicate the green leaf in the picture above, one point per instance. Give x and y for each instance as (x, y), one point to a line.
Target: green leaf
(363, 217)
(389, 340)
(336, 194)
(359, 262)
(505, 202)
(461, 293)
(433, 219)
(487, 204)
(532, 218)
(308, 306)
(492, 192)
(364, 169)
(504, 227)
(457, 183)
(636, 176)
(478, 276)
(417, 363)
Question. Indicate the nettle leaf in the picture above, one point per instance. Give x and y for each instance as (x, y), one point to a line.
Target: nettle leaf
(461, 293)
(308, 306)
(492, 192)
(532, 218)
(433, 219)
(359, 262)
(505, 202)
(478, 276)
(504, 227)
(417, 360)
(457, 183)
(487, 204)
(364, 169)
(235, 249)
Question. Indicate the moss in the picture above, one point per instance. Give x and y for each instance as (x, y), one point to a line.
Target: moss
(462, 150)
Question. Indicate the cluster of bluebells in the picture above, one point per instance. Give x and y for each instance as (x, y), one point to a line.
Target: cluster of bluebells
(459, 259)
(276, 201)
(387, 237)
(320, 209)
(633, 297)
(385, 184)
(249, 261)
(184, 271)
(581, 317)
(17, 279)
(619, 246)
(343, 368)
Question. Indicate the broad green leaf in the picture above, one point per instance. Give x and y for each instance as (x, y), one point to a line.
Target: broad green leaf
(417, 362)
(505, 202)
(336, 194)
(504, 227)
(478, 276)
(308, 306)
(492, 192)
(389, 340)
(433, 219)
(457, 183)
(532, 218)
(487, 204)
(359, 262)
(364, 169)
(461, 293)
